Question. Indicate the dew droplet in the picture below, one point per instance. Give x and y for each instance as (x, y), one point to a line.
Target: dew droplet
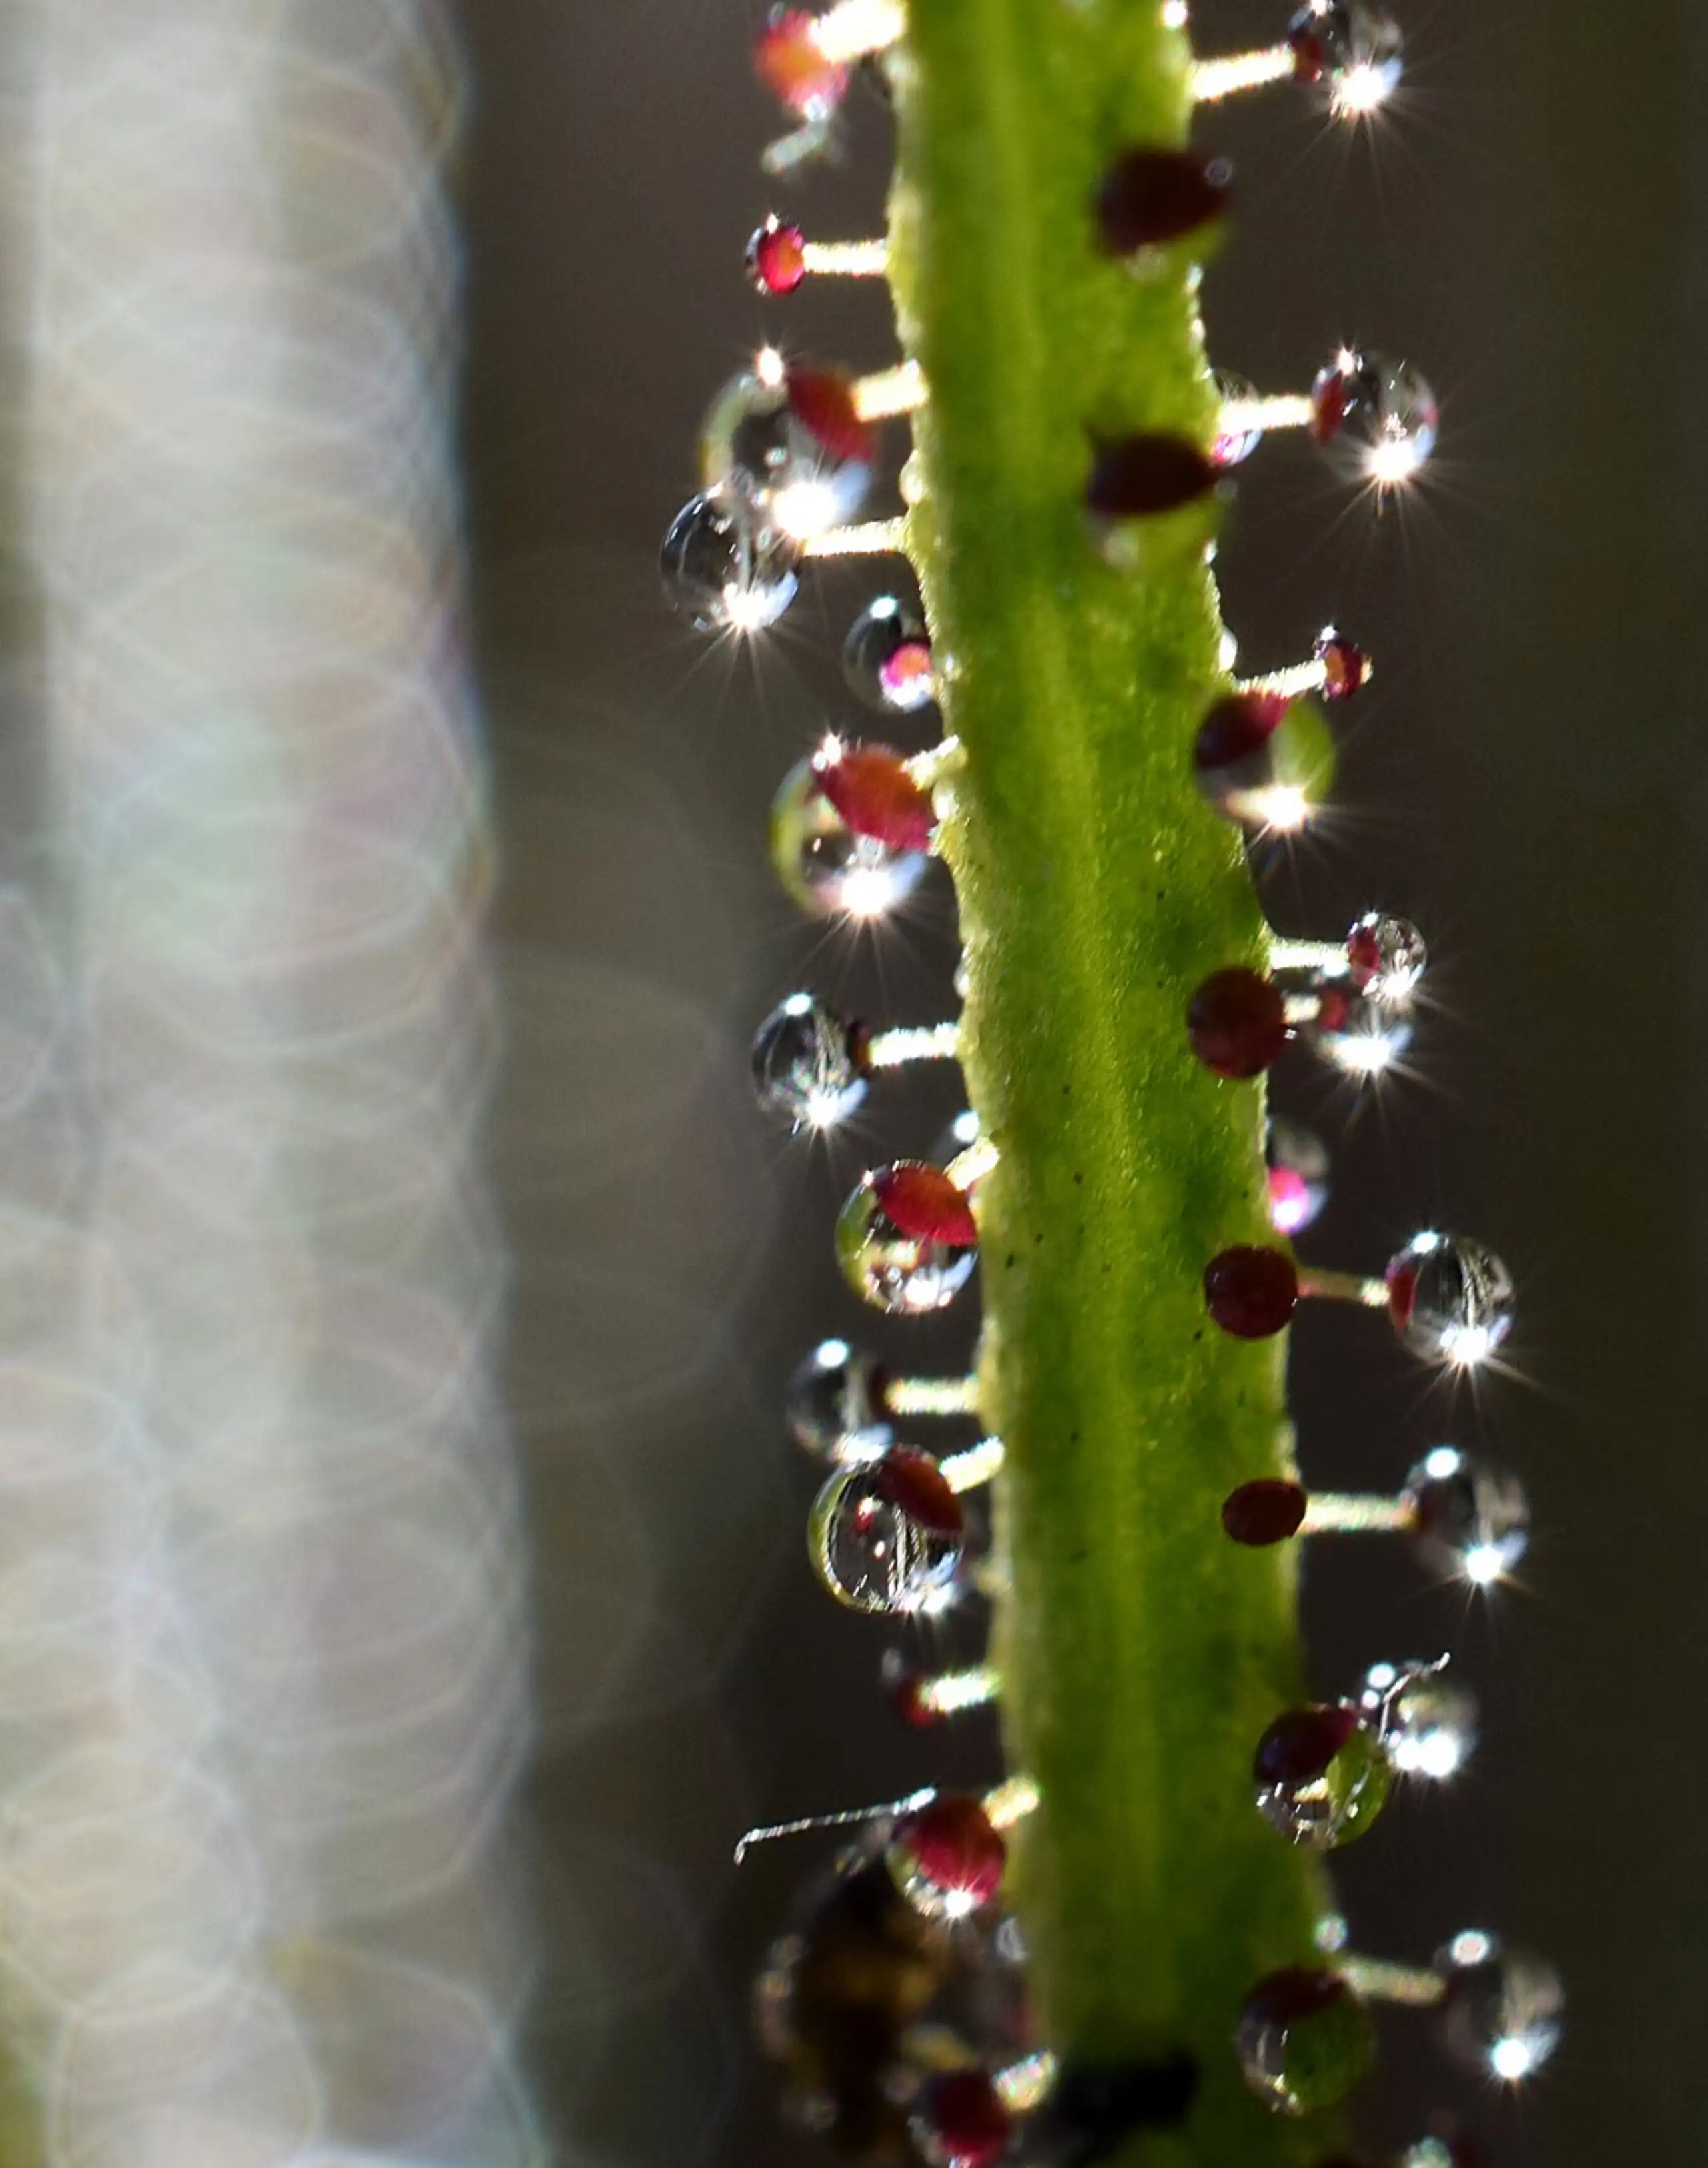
(1362, 1038)
(1472, 1518)
(834, 1404)
(809, 1063)
(787, 439)
(1386, 406)
(1260, 757)
(947, 1858)
(887, 1535)
(906, 1240)
(1322, 1777)
(792, 66)
(1304, 2040)
(776, 258)
(1452, 1299)
(1425, 1719)
(1352, 47)
(959, 2121)
(1503, 2009)
(1385, 956)
(886, 658)
(724, 568)
(1298, 1162)
(1345, 664)
(823, 863)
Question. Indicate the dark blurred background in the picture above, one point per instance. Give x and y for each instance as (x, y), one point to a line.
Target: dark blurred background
(1526, 777)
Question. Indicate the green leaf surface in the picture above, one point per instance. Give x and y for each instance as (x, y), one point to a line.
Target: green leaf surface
(1142, 1653)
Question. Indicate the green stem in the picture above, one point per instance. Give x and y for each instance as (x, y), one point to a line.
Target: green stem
(1142, 1654)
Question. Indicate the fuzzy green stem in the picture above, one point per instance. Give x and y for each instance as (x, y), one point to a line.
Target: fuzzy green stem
(1142, 1654)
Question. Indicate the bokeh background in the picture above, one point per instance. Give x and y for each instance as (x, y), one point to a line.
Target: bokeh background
(1527, 779)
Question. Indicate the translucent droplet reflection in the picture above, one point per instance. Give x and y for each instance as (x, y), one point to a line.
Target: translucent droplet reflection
(1322, 1777)
(1386, 957)
(906, 1240)
(1352, 47)
(1425, 1718)
(756, 442)
(1386, 407)
(808, 1064)
(1503, 2009)
(886, 658)
(1452, 1298)
(1304, 2040)
(1472, 1518)
(834, 1406)
(886, 1535)
(724, 568)
(825, 866)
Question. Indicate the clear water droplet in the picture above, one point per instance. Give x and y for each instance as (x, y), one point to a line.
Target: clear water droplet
(1304, 2040)
(906, 1239)
(809, 1063)
(1425, 1718)
(1451, 1298)
(1472, 1518)
(1361, 1037)
(1299, 1170)
(1322, 1777)
(1263, 760)
(756, 443)
(1385, 406)
(1503, 2008)
(834, 1404)
(1352, 47)
(886, 658)
(887, 1535)
(724, 568)
(825, 866)
(1386, 956)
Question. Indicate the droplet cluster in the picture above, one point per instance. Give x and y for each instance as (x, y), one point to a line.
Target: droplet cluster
(790, 456)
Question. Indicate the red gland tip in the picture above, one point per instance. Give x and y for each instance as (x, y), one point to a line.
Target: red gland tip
(1140, 477)
(789, 62)
(1402, 1278)
(912, 1482)
(903, 1687)
(869, 786)
(953, 1847)
(1263, 1512)
(1331, 400)
(1344, 665)
(776, 257)
(1310, 54)
(959, 2121)
(922, 1202)
(1251, 1293)
(1148, 198)
(1299, 1746)
(1237, 1023)
(823, 402)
